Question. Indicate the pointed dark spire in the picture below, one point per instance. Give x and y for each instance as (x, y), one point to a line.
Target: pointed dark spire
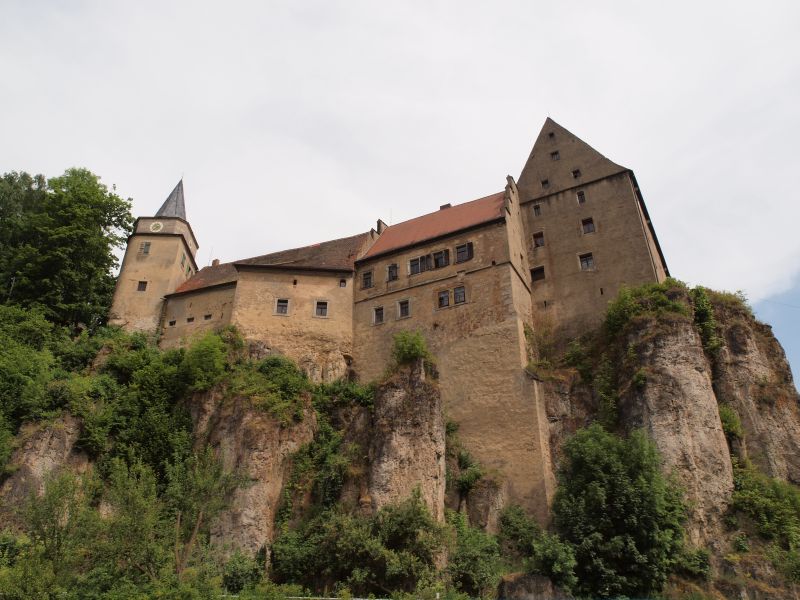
(174, 206)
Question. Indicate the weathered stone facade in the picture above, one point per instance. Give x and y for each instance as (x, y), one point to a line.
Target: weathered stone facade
(471, 278)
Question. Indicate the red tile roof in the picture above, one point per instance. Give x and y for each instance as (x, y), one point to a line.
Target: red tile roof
(335, 255)
(208, 276)
(437, 224)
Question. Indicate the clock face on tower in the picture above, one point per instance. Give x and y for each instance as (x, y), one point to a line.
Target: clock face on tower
(156, 226)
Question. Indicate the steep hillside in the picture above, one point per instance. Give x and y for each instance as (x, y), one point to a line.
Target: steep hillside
(673, 430)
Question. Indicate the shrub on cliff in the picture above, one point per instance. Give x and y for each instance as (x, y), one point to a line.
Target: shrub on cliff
(408, 347)
(474, 562)
(622, 517)
(652, 298)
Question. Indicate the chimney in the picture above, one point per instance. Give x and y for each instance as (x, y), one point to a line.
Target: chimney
(215, 262)
(443, 206)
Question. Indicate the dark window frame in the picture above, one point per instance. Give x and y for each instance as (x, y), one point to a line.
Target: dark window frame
(392, 272)
(321, 304)
(581, 196)
(367, 280)
(538, 274)
(586, 261)
(555, 155)
(576, 173)
(587, 226)
(443, 299)
(465, 252)
(282, 306)
(378, 310)
(141, 286)
(538, 239)
(537, 209)
(401, 304)
(459, 295)
(441, 258)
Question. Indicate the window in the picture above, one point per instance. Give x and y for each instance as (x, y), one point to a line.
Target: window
(142, 286)
(183, 260)
(444, 299)
(377, 315)
(321, 309)
(538, 239)
(537, 274)
(403, 309)
(555, 155)
(207, 317)
(391, 273)
(190, 319)
(441, 259)
(545, 184)
(282, 306)
(418, 265)
(587, 262)
(464, 252)
(537, 210)
(551, 135)
(343, 283)
(588, 225)
(576, 173)
(581, 197)
(413, 266)
(172, 323)
(144, 248)
(459, 295)
(366, 280)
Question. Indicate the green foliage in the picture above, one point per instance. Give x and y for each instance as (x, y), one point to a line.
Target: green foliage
(774, 507)
(639, 379)
(240, 572)
(390, 551)
(693, 563)
(57, 242)
(655, 299)
(705, 320)
(340, 393)
(577, 357)
(474, 562)
(204, 363)
(605, 387)
(731, 424)
(275, 385)
(618, 512)
(409, 346)
(469, 472)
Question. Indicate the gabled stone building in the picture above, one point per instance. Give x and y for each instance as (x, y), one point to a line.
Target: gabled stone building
(549, 251)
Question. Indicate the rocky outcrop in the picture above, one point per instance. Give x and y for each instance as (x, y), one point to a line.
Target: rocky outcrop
(254, 444)
(408, 443)
(753, 377)
(43, 449)
(676, 406)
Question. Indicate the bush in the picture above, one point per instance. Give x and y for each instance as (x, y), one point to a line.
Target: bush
(621, 516)
(204, 363)
(705, 321)
(474, 563)
(731, 424)
(654, 299)
(408, 347)
(240, 572)
(553, 558)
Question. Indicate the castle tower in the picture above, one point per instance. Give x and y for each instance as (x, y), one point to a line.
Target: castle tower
(160, 256)
(587, 231)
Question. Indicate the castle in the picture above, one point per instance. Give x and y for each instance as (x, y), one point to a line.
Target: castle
(550, 250)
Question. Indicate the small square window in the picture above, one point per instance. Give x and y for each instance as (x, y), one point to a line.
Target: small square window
(588, 225)
(459, 295)
(581, 197)
(343, 283)
(444, 299)
(576, 173)
(321, 309)
(538, 239)
(537, 210)
(190, 319)
(142, 286)
(206, 317)
(366, 280)
(555, 155)
(551, 135)
(464, 252)
(377, 315)
(282, 306)
(587, 262)
(441, 259)
(403, 309)
(545, 184)
(537, 274)
(144, 248)
(172, 323)
(391, 272)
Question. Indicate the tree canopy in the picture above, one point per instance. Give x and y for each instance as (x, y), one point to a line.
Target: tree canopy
(57, 242)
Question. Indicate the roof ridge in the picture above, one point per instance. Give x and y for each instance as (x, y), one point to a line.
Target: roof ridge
(436, 212)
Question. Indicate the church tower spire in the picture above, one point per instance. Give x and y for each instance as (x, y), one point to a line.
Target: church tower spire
(159, 257)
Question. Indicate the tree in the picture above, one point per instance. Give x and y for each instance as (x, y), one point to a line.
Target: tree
(623, 518)
(57, 242)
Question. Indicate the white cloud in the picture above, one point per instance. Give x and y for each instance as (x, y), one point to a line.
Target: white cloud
(294, 122)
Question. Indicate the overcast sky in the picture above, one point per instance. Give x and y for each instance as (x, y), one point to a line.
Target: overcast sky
(295, 122)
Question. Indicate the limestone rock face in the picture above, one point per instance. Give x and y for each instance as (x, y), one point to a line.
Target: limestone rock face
(408, 443)
(43, 450)
(753, 377)
(678, 410)
(253, 443)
